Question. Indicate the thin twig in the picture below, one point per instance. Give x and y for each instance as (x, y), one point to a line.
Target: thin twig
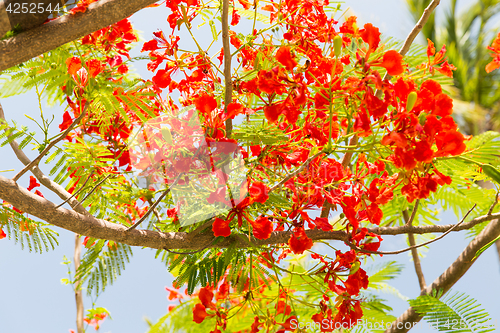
(409, 221)
(399, 230)
(346, 160)
(414, 251)
(228, 96)
(151, 208)
(494, 204)
(412, 247)
(415, 31)
(296, 172)
(51, 144)
(411, 37)
(93, 189)
(79, 190)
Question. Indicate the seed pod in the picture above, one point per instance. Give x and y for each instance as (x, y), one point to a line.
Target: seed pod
(354, 268)
(410, 101)
(491, 172)
(167, 136)
(337, 44)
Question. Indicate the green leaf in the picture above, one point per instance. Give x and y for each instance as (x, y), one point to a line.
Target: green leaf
(454, 313)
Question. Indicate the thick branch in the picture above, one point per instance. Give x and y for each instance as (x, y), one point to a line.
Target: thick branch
(87, 225)
(228, 95)
(29, 20)
(101, 229)
(459, 267)
(49, 36)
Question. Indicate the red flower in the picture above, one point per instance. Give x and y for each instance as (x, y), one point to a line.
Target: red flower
(323, 224)
(199, 313)
(205, 104)
(234, 109)
(173, 294)
(450, 143)
(431, 50)
(220, 227)
(74, 64)
(33, 183)
(370, 35)
(258, 192)
(152, 45)
(299, 242)
(393, 62)
(443, 105)
(235, 18)
(446, 69)
(285, 57)
(206, 295)
(423, 152)
(2, 234)
(262, 228)
(272, 112)
(94, 66)
(357, 281)
(39, 194)
(162, 78)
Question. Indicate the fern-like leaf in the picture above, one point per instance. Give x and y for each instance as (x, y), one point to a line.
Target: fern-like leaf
(453, 313)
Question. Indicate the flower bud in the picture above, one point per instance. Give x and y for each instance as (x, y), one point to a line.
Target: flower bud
(167, 136)
(337, 44)
(410, 101)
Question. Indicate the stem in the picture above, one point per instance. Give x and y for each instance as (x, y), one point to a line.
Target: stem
(413, 34)
(414, 251)
(228, 96)
(50, 145)
(78, 289)
(414, 246)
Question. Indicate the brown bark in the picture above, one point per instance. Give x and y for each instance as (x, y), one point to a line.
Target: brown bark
(88, 225)
(78, 287)
(36, 13)
(67, 28)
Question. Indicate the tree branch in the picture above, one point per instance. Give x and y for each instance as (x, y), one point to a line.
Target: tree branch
(51, 144)
(42, 178)
(88, 225)
(228, 95)
(78, 287)
(415, 31)
(459, 267)
(413, 244)
(102, 229)
(67, 28)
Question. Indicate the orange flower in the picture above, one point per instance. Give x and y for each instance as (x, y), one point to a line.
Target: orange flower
(74, 64)
(393, 62)
(220, 227)
(285, 57)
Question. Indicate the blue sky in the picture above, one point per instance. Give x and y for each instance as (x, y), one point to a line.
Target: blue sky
(34, 300)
